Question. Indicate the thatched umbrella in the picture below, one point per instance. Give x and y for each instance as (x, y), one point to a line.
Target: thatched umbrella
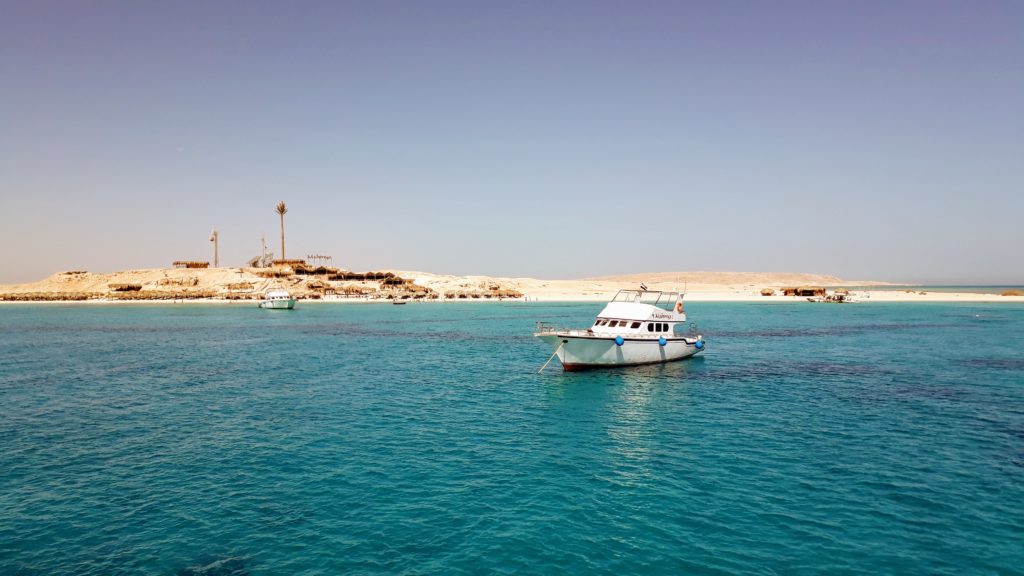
(767, 292)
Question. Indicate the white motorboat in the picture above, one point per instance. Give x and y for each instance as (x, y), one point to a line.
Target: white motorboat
(278, 300)
(837, 297)
(636, 327)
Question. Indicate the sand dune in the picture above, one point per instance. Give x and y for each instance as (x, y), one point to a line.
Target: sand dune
(725, 278)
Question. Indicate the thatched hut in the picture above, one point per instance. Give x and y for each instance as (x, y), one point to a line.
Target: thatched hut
(273, 272)
(767, 292)
(306, 269)
(804, 291)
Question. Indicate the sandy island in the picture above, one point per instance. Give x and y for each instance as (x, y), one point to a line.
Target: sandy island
(246, 284)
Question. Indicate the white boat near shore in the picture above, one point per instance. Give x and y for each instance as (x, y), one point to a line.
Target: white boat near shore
(636, 327)
(840, 296)
(278, 300)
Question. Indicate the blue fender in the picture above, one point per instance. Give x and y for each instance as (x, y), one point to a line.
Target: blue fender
(699, 344)
(619, 341)
(662, 341)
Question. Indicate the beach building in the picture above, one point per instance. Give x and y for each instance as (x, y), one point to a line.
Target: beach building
(803, 291)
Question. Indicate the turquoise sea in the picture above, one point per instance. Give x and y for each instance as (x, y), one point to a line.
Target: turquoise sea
(377, 439)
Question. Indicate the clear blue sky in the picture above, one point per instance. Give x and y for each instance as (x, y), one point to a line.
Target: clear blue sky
(880, 140)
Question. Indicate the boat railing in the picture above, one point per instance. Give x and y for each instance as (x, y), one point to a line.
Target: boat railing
(550, 328)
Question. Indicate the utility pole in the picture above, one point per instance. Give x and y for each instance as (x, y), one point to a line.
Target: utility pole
(216, 257)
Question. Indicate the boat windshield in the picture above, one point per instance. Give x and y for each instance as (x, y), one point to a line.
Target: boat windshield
(663, 300)
(627, 296)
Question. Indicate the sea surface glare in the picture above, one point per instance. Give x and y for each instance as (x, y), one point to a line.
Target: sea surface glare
(419, 439)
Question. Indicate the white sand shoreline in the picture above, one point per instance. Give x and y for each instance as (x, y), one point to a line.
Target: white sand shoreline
(245, 286)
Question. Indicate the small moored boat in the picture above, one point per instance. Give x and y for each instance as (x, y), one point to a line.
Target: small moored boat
(278, 300)
(636, 327)
(840, 296)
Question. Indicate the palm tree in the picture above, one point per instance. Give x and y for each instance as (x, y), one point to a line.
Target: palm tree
(282, 210)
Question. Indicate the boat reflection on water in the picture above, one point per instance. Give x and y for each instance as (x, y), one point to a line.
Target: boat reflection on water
(630, 410)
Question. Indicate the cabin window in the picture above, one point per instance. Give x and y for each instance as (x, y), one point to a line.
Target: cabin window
(602, 322)
(663, 326)
(635, 325)
(650, 326)
(613, 323)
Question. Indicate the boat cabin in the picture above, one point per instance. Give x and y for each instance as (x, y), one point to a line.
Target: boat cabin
(648, 313)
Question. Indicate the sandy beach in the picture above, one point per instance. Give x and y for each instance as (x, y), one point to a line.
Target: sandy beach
(246, 284)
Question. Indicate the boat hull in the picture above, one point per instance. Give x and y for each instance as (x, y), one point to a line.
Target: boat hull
(278, 304)
(582, 353)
